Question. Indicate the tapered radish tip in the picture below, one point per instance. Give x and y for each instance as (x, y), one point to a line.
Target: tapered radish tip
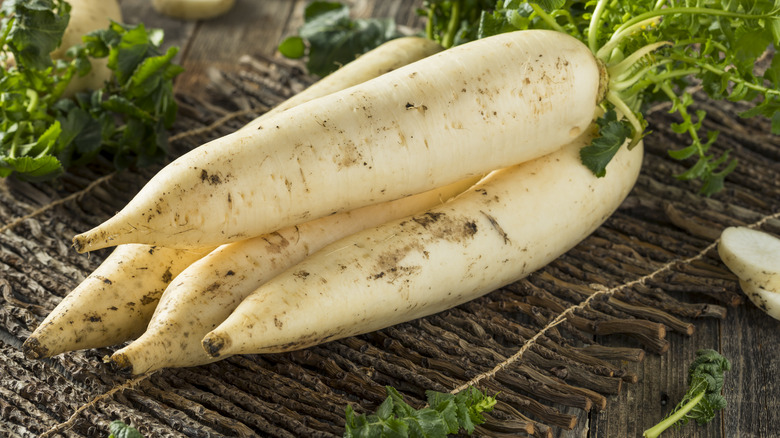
(80, 243)
(120, 362)
(33, 349)
(214, 344)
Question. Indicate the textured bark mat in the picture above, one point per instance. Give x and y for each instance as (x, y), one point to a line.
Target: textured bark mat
(543, 343)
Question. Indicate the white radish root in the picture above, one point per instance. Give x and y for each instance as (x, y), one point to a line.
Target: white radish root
(113, 304)
(406, 132)
(202, 296)
(753, 256)
(766, 300)
(510, 224)
(383, 59)
(134, 276)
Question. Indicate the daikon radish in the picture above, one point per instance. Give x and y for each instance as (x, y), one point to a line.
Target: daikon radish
(383, 59)
(113, 304)
(510, 224)
(134, 276)
(766, 300)
(193, 9)
(87, 16)
(459, 113)
(202, 296)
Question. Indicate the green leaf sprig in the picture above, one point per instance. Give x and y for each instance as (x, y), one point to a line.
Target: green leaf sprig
(703, 399)
(446, 414)
(329, 38)
(41, 132)
(118, 429)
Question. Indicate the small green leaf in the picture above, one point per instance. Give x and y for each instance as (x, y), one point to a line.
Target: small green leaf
(32, 168)
(446, 414)
(293, 47)
(550, 5)
(385, 409)
(36, 31)
(333, 38)
(131, 51)
(119, 429)
(612, 135)
(681, 154)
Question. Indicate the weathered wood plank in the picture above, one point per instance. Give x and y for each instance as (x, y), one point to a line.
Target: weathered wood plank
(751, 340)
(251, 27)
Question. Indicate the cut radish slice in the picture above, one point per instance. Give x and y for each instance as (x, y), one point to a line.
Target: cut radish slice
(754, 256)
(765, 300)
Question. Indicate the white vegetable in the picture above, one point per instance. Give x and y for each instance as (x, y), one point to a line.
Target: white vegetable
(753, 256)
(510, 224)
(87, 16)
(193, 9)
(113, 304)
(456, 114)
(766, 300)
(387, 57)
(202, 296)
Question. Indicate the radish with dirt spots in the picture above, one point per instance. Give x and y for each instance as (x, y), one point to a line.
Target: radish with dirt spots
(113, 304)
(116, 302)
(385, 58)
(510, 224)
(202, 296)
(452, 115)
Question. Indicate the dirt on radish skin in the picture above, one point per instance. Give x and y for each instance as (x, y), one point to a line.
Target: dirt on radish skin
(387, 57)
(113, 304)
(405, 132)
(501, 230)
(204, 294)
(85, 318)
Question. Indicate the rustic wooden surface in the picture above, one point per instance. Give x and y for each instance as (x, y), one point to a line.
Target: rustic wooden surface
(746, 336)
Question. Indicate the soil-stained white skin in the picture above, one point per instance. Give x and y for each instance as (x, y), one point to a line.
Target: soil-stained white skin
(462, 112)
(202, 296)
(512, 223)
(383, 59)
(114, 303)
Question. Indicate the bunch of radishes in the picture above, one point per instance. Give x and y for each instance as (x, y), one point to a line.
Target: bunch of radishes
(349, 211)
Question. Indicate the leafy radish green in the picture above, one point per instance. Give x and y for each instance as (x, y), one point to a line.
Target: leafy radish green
(446, 414)
(42, 132)
(703, 399)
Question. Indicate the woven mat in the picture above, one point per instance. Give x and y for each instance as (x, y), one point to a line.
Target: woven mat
(534, 341)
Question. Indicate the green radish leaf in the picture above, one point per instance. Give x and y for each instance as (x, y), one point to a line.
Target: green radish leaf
(293, 47)
(119, 429)
(612, 135)
(333, 38)
(550, 5)
(36, 31)
(41, 132)
(31, 168)
(446, 414)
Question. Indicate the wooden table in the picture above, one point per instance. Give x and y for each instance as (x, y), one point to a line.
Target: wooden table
(746, 336)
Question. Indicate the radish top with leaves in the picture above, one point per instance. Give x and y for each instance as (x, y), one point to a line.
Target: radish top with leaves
(652, 49)
(42, 132)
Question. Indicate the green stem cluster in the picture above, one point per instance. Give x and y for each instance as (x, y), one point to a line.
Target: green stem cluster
(624, 72)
